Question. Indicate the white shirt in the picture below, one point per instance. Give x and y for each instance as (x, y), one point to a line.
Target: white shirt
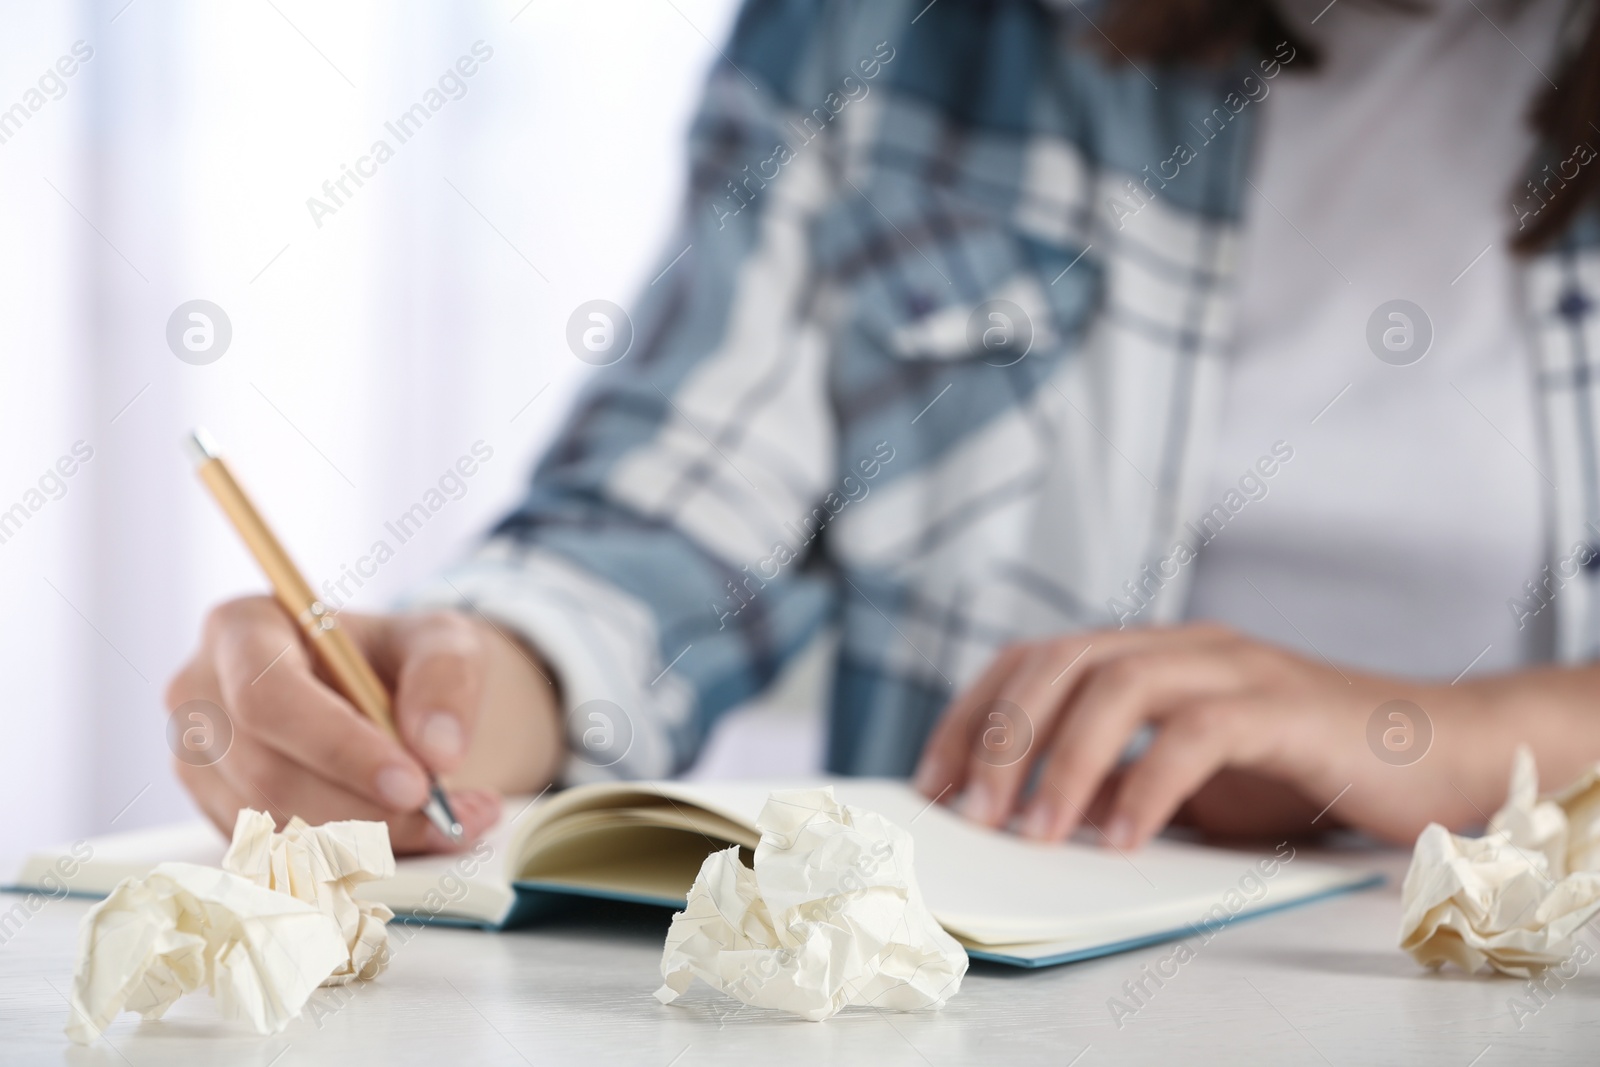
(1413, 508)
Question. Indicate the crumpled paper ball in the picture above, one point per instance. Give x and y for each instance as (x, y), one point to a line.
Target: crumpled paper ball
(829, 917)
(1513, 900)
(185, 927)
(321, 865)
(260, 936)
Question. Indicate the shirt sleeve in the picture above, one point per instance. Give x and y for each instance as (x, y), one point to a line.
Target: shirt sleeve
(663, 562)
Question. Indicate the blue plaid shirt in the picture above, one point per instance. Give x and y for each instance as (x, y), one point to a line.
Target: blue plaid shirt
(938, 367)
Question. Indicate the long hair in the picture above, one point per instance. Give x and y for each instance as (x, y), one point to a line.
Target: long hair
(1209, 32)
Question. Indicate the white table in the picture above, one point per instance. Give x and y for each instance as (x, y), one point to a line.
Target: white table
(1321, 984)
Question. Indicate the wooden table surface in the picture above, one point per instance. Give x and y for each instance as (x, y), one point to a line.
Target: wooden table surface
(1322, 984)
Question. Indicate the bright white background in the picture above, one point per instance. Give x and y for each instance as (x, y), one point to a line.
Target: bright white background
(367, 355)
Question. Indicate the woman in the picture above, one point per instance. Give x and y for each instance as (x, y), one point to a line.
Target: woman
(1181, 409)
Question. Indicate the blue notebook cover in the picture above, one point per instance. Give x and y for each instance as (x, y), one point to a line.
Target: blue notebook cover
(539, 901)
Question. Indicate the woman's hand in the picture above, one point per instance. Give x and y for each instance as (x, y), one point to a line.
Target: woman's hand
(471, 706)
(1248, 739)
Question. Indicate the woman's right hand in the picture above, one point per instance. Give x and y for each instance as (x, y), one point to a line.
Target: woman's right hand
(298, 747)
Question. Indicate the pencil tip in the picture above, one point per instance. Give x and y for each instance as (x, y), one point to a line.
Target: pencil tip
(438, 812)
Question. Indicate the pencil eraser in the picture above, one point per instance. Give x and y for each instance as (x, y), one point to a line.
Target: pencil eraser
(200, 446)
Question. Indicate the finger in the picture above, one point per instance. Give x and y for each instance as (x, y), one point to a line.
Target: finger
(1043, 694)
(1191, 747)
(439, 687)
(943, 767)
(1113, 702)
(286, 707)
(1098, 813)
(197, 679)
(262, 778)
(947, 757)
(476, 809)
(1006, 732)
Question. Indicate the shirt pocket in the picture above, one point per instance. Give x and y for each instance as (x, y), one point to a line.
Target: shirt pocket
(927, 274)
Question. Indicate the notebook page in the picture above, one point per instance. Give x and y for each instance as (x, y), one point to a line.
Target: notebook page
(478, 891)
(991, 887)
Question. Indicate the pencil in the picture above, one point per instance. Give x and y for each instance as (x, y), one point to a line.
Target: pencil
(352, 675)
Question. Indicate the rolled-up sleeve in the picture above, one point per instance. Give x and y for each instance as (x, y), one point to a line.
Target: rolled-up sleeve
(660, 561)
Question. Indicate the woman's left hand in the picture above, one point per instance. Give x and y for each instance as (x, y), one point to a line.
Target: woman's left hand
(1248, 737)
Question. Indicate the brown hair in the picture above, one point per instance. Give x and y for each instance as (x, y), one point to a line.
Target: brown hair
(1211, 32)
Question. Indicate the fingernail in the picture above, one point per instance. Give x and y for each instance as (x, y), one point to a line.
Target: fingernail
(1039, 821)
(1120, 831)
(442, 736)
(979, 803)
(401, 787)
(927, 776)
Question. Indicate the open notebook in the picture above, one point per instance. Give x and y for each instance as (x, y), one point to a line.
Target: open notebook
(1006, 899)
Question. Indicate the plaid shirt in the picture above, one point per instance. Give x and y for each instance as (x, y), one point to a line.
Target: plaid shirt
(809, 427)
